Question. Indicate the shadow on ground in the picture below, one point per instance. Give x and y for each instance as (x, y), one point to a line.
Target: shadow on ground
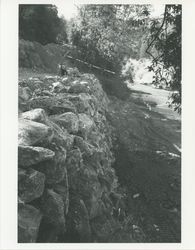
(148, 166)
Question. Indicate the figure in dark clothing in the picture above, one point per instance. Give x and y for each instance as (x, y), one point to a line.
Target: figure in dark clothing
(62, 70)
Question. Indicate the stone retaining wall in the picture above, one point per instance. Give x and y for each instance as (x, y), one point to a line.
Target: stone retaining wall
(65, 179)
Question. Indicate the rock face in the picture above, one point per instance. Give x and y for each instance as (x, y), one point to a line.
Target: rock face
(52, 206)
(65, 159)
(85, 124)
(31, 133)
(68, 121)
(37, 115)
(28, 155)
(28, 223)
(30, 184)
(79, 217)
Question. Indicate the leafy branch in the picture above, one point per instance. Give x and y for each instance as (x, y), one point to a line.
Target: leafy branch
(166, 42)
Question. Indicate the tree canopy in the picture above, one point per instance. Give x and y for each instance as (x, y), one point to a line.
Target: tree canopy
(165, 36)
(107, 33)
(41, 23)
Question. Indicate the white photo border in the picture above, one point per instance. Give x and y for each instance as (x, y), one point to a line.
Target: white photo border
(9, 128)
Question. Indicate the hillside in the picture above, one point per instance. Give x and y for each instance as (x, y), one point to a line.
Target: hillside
(34, 56)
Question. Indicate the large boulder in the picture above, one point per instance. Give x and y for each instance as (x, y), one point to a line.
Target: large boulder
(28, 155)
(61, 138)
(52, 104)
(78, 87)
(97, 90)
(90, 189)
(95, 138)
(79, 219)
(29, 219)
(65, 80)
(62, 189)
(74, 164)
(74, 160)
(57, 86)
(82, 103)
(24, 93)
(35, 83)
(31, 133)
(54, 169)
(68, 121)
(86, 148)
(68, 141)
(30, 184)
(106, 230)
(37, 115)
(86, 124)
(50, 79)
(74, 72)
(83, 180)
(52, 206)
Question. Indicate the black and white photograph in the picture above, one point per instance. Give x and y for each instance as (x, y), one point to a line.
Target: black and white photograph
(99, 153)
(99, 139)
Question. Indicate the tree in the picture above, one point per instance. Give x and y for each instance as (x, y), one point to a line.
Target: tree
(105, 34)
(62, 36)
(165, 37)
(39, 23)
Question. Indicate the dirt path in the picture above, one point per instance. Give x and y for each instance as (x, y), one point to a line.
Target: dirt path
(148, 161)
